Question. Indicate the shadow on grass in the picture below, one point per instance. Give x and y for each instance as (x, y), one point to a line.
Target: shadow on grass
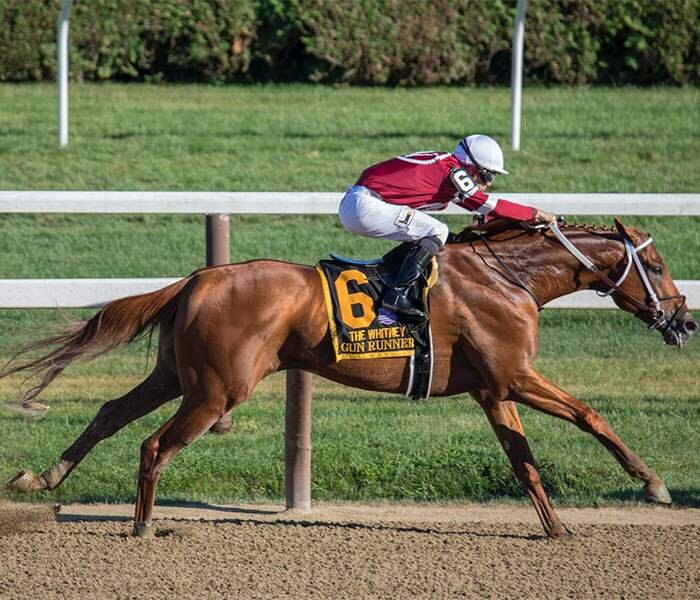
(120, 136)
(601, 134)
(298, 135)
(682, 498)
(377, 135)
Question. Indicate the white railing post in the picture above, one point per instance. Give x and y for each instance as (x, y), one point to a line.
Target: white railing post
(62, 72)
(516, 74)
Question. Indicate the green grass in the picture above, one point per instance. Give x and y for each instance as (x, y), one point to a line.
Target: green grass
(314, 138)
(295, 138)
(372, 446)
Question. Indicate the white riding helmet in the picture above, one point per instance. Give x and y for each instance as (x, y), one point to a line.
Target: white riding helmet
(481, 151)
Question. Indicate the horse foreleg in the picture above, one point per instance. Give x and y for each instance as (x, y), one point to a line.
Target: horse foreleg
(537, 392)
(190, 422)
(157, 389)
(504, 418)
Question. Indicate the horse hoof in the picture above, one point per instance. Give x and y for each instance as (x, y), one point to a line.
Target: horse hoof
(25, 481)
(29, 410)
(219, 428)
(223, 425)
(657, 493)
(143, 529)
(559, 533)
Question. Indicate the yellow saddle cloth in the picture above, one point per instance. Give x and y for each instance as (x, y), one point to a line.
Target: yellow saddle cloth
(359, 326)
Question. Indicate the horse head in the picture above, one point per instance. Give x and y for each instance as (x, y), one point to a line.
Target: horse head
(646, 279)
(638, 281)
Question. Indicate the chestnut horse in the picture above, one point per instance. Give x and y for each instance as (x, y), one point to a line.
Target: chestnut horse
(223, 329)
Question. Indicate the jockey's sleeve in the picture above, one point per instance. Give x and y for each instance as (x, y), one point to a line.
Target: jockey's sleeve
(487, 204)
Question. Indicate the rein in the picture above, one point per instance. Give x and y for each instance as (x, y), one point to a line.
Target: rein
(514, 277)
(631, 252)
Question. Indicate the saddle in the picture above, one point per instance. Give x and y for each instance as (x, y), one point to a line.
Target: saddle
(361, 329)
(388, 265)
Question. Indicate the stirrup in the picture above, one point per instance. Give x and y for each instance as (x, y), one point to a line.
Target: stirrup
(409, 311)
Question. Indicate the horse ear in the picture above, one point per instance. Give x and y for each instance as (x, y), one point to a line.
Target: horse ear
(629, 232)
(620, 227)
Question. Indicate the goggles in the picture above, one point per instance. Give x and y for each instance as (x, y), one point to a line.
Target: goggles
(487, 176)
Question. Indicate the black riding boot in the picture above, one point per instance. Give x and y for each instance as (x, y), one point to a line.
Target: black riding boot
(398, 299)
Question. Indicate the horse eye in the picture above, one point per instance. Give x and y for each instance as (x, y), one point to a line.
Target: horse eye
(656, 270)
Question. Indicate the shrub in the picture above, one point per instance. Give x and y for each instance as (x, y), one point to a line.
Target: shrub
(207, 40)
(375, 42)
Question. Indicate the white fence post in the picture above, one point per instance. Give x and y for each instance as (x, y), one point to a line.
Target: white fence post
(62, 72)
(516, 74)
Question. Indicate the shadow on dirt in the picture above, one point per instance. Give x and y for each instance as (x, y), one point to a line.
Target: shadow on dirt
(682, 498)
(217, 507)
(383, 527)
(67, 517)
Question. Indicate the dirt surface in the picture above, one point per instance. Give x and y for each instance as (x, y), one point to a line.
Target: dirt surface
(347, 551)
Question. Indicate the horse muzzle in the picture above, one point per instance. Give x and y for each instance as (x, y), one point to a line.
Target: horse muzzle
(680, 330)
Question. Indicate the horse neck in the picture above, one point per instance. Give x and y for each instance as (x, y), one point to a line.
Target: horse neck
(547, 268)
(566, 273)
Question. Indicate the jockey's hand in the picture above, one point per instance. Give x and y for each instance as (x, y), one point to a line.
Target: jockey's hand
(544, 217)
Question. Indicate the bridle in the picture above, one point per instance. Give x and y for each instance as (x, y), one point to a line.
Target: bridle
(653, 305)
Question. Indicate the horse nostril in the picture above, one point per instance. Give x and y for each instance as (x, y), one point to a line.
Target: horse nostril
(690, 326)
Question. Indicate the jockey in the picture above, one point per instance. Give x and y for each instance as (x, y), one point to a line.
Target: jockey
(389, 198)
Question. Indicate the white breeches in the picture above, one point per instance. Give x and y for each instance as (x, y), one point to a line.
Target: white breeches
(364, 212)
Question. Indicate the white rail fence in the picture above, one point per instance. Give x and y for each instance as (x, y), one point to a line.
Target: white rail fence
(95, 293)
(70, 293)
(85, 293)
(320, 203)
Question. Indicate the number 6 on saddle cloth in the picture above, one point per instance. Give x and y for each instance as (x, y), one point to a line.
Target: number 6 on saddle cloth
(361, 329)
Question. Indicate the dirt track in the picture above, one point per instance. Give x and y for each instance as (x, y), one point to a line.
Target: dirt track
(347, 551)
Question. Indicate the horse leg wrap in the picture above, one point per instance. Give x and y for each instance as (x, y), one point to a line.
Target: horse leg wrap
(143, 529)
(56, 474)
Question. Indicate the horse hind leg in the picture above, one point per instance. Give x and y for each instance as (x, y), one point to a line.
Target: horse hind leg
(161, 386)
(212, 388)
(192, 420)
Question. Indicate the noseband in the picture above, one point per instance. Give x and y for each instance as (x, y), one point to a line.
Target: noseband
(653, 306)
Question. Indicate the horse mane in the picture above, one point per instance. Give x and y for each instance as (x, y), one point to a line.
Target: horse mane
(499, 230)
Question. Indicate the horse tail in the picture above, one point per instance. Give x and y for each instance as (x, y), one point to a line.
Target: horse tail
(119, 322)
